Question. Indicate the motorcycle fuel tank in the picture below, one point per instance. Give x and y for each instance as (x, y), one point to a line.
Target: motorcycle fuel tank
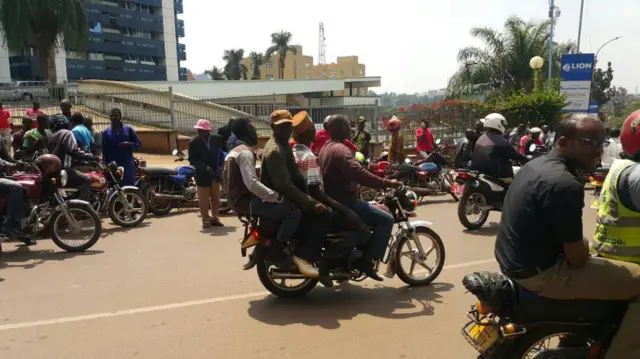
(98, 182)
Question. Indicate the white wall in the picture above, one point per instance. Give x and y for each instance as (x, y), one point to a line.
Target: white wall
(170, 40)
(5, 69)
(61, 63)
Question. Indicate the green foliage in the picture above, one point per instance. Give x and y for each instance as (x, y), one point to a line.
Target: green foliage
(234, 69)
(257, 60)
(280, 45)
(215, 74)
(536, 109)
(601, 84)
(617, 121)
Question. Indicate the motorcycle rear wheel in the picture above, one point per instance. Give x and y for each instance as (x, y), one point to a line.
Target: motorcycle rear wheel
(158, 209)
(522, 346)
(462, 214)
(279, 290)
(95, 219)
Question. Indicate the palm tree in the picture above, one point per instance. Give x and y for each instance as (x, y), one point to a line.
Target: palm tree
(216, 74)
(280, 44)
(42, 24)
(257, 59)
(234, 69)
(502, 66)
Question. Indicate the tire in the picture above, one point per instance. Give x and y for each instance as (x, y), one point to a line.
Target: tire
(27, 97)
(524, 343)
(96, 223)
(158, 211)
(405, 277)
(145, 208)
(462, 217)
(263, 275)
(224, 210)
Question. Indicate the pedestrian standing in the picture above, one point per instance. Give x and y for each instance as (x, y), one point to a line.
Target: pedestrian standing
(118, 143)
(96, 147)
(18, 137)
(5, 126)
(206, 154)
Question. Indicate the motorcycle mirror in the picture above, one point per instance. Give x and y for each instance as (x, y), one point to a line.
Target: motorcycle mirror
(438, 142)
(407, 161)
(532, 147)
(174, 152)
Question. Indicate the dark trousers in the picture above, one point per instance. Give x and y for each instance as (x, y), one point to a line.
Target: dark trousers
(79, 180)
(15, 198)
(289, 220)
(313, 232)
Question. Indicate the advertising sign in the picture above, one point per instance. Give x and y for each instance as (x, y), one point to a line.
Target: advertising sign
(577, 73)
(593, 107)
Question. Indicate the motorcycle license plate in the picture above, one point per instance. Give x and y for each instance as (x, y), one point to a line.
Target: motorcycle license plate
(484, 336)
(458, 188)
(252, 241)
(597, 183)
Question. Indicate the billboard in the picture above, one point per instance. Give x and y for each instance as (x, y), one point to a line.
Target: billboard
(576, 74)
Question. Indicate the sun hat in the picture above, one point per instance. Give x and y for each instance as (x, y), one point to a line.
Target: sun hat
(279, 117)
(204, 125)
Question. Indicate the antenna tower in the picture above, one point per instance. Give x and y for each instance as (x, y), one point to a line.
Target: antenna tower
(322, 59)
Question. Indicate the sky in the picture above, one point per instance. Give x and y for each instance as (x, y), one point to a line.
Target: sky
(411, 44)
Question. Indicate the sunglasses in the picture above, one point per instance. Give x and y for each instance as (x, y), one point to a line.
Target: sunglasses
(591, 143)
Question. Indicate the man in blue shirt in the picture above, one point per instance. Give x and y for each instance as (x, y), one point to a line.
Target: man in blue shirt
(118, 143)
(83, 136)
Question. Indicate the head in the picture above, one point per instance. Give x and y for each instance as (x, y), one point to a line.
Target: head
(495, 123)
(88, 122)
(338, 127)
(479, 127)
(522, 129)
(65, 107)
(614, 133)
(325, 122)
(58, 122)
(36, 105)
(361, 123)
(76, 119)
(282, 125)
(579, 139)
(470, 134)
(425, 123)
(535, 132)
(394, 125)
(115, 116)
(203, 127)
(545, 129)
(42, 122)
(49, 164)
(304, 130)
(27, 123)
(245, 131)
(630, 136)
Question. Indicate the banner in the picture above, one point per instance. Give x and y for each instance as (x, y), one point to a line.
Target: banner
(577, 74)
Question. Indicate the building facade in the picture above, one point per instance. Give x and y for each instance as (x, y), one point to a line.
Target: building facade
(301, 67)
(129, 40)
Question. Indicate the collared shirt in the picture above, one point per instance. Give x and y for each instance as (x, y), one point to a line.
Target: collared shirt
(308, 164)
(83, 137)
(246, 161)
(542, 211)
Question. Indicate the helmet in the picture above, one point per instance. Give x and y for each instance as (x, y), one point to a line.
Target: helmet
(394, 124)
(360, 157)
(535, 130)
(58, 122)
(495, 121)
(630, 135)
(48, 164)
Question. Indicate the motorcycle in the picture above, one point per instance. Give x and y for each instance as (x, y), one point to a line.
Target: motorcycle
(508, 321)
(163, 188)
(46, 203)
(377, 167)
(399, 202)
(125, 205)
(597, 181)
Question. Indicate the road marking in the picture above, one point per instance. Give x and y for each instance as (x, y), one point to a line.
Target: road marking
(157, 308)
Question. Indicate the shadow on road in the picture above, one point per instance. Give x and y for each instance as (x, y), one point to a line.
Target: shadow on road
(437, 198)
(29, 258)
(326, 308)
(175, 212)
(115, 230)
(489, 230)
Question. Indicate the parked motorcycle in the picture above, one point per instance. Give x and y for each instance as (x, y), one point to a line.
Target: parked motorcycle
(45, 203)
(508, 321)
(399, 202)
(164, 188)
(378, 167)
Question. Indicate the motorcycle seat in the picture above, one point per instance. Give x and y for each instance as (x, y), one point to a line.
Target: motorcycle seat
(158, 171)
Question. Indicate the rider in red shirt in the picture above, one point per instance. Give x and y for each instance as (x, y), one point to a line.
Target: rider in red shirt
(424, 139)
(534, 134)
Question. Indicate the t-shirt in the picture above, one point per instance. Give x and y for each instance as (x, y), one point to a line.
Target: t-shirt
(322, 136)
(308, 164)
(26, 143)
(541, 212)
(34, 113)
(426, 143)
(4, 118)
(83, 137)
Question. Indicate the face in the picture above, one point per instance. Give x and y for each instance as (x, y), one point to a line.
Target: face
(585, 149)
(27, 124)
(252, 136)
(545, 129)
(43, 124)
(360, 126)
(282, 131)
(341, 130)
(203, 133)
(115, 117)
(307, 137)
(535, 135)
(65, 107)
(36, 105)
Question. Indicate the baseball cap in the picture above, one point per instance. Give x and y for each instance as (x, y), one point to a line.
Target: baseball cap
(279, 117)
(302, 122)
(362, 119)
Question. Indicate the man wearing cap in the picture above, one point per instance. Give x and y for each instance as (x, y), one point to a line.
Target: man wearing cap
(362, 139)
(280, 173)
(424, 139)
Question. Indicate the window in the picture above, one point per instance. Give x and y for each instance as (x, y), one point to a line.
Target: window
(268, 76)
(268, 65)
(306, 66)
(130, 59)
(94, 56)
(109, 30)
(320, 73)
(113, 57)
(148, 60)
(361, 72)
(76, 55)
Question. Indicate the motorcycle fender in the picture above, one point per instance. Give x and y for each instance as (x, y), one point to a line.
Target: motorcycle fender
(74, 201)
(113, 194)
(416, 224)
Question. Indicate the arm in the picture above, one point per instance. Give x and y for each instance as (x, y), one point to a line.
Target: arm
(564, 204)
(284, 184)
(5, 157)
(194, 158)
(133, 138)
(511, 153)
(71, 147)
(247, 165)
(354, 171)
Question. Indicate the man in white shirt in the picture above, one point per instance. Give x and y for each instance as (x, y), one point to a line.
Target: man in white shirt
(612, 151)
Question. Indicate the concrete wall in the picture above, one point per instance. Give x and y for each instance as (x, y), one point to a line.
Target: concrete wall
(170, 40)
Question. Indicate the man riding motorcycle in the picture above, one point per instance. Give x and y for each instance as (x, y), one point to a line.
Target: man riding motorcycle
(492, 153)
(532, 137)
(15, 197)
(63, 144)
(618, 222)
(464, 149)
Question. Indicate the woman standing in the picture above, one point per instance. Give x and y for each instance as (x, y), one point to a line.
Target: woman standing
(206, 155)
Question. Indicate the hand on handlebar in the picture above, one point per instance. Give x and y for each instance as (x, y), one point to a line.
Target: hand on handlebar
(394, 183)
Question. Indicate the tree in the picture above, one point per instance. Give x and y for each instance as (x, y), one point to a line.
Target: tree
(257, 60)
(600, 85)
(215, 73)
(234, 69)
(43, 24)
(280, 44)
(501, 67)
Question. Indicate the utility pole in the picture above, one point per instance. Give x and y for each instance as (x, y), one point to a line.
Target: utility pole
(580, 24)
(552, 8)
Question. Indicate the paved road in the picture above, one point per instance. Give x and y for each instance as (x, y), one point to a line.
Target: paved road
(171, 290)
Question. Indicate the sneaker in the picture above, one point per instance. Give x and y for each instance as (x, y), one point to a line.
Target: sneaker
(216, 222)
(306, 267)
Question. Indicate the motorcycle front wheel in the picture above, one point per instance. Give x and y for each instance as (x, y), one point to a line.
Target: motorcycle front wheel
(468, 205)
(158, 208)
(124, 217)
(76, 239)
(409, 276)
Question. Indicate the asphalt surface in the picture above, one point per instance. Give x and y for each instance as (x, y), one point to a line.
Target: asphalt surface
(169, 289)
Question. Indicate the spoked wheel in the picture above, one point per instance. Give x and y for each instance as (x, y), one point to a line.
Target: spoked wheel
(159, 208)
(79, 233)
(470, 214)
(414, 269)
(550, 343)
(284, 288)
(128, 208)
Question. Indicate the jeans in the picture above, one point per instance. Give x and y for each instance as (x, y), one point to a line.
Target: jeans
(15, 198)
(289, 220)
(314, 230)
(79, 180)
(424, 154)
(381, 221)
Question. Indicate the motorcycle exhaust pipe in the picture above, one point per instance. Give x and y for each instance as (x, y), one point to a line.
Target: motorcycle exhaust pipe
(420, 191)
(279, 275)
(167, 197)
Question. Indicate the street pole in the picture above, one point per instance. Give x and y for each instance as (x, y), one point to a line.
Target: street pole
(580, 24)
(552, 7)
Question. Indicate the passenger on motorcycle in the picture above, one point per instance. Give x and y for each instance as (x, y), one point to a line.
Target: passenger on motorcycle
(464, 149)
(424, 139)
(280, 172)
(396, 143)
(540, 243)
(342, 175)
(63, 144)
(618, 223)
(14, 195)
(246, 194)
(532, 137)
(479, 129)
(304, 132)
(492, 153)
(37, 138)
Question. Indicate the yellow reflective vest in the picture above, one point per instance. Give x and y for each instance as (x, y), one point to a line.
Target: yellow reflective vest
(617, 233)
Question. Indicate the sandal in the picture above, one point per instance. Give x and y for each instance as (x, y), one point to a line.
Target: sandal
(206, 223)
(215, 222)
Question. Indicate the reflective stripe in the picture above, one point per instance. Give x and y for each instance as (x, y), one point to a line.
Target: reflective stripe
(619, 221)
(610, 190)
(614, 250)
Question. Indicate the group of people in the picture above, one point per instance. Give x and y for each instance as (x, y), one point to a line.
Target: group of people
(71, 138)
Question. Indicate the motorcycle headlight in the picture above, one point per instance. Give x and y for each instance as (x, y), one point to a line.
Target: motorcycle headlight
(120, 171)
(63, 178)
(409, 201)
